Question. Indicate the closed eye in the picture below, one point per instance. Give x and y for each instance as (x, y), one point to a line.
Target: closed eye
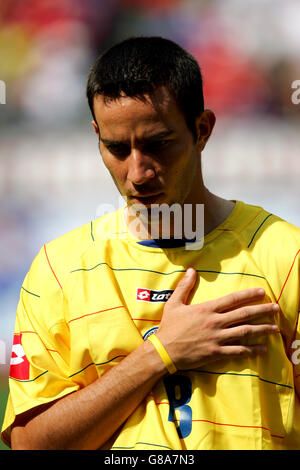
(156, 145)
(119, 150)
(122, 150)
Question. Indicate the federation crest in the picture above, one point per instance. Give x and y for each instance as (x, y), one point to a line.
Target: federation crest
(150, 332)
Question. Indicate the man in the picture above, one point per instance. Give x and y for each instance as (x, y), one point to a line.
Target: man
(87, 371)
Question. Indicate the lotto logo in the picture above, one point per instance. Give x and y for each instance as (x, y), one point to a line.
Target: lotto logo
(143, 294)
(148, 295)
(19, 365)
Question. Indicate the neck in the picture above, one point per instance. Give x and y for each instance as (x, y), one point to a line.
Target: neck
(217, 210)
(190, 220)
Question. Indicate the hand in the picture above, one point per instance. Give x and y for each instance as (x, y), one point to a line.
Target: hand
(195, 335)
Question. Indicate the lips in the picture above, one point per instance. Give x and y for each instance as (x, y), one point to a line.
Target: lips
(146, 199)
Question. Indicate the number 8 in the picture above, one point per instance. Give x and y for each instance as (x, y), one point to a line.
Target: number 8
(183, 383)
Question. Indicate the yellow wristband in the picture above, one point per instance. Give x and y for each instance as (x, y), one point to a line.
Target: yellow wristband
(163, 353)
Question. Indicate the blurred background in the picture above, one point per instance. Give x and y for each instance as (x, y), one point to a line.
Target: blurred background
(51, 176)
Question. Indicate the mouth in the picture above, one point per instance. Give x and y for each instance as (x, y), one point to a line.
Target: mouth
(147, 199)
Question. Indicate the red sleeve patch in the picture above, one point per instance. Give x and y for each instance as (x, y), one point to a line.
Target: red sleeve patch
(19, 364)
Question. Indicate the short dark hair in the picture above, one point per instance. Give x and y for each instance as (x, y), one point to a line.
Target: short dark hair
(138, 65)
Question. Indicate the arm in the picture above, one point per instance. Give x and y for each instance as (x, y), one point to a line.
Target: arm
(86, 419)
(193, 335)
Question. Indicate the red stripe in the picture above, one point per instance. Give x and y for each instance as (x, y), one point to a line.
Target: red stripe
(51, 267)
(225, 424)
(145, 319)
(238, 426)
(52, 350)
(86, 315)
(21, 332)
(288, 276)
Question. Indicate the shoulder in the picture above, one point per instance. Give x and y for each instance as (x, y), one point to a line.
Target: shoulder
(57, 258)
(263, 230)
(274, 246)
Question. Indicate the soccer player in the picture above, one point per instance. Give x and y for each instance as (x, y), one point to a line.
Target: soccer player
(128, 341)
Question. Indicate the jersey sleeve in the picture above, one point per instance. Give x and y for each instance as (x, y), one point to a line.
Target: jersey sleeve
(39, 368)
(295, 345)
(290, 296)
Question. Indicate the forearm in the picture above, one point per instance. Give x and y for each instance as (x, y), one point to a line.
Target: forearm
(88, 418)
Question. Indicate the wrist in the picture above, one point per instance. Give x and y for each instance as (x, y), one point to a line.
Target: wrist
(162, 353)
(154, 362)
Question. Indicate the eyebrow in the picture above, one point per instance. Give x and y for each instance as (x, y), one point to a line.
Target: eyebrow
(151, 138)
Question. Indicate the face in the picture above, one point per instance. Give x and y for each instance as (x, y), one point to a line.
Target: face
(148, 149)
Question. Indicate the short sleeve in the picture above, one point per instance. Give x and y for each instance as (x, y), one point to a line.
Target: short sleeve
(39, 368)
(295, 357)
(294, 291)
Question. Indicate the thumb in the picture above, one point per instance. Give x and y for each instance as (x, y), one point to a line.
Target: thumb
(184, 287)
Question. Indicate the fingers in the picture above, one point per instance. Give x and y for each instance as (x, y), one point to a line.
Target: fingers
(241, 332)
(236, 299)
(247, 314)
(242, 351)
(184, 287)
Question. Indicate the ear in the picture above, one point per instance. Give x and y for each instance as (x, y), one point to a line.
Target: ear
(204, 125)
(96, 128)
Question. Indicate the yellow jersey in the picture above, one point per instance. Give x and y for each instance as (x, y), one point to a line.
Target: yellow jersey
(96, 293)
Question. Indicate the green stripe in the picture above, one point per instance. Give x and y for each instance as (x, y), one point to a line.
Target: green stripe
(96, 364)
(222, 272)
(126, 269)
(92, 231)
(259, 228)
(92, 363)
(238, 374)
(144, 443)
(30, 380)
(30, 292)
(164, 274)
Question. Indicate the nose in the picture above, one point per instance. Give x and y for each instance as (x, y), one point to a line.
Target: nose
(140, 168)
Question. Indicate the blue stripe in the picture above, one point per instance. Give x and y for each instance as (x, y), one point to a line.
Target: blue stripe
(166, 243)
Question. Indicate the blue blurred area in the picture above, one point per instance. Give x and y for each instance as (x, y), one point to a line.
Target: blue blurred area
(51, 176)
